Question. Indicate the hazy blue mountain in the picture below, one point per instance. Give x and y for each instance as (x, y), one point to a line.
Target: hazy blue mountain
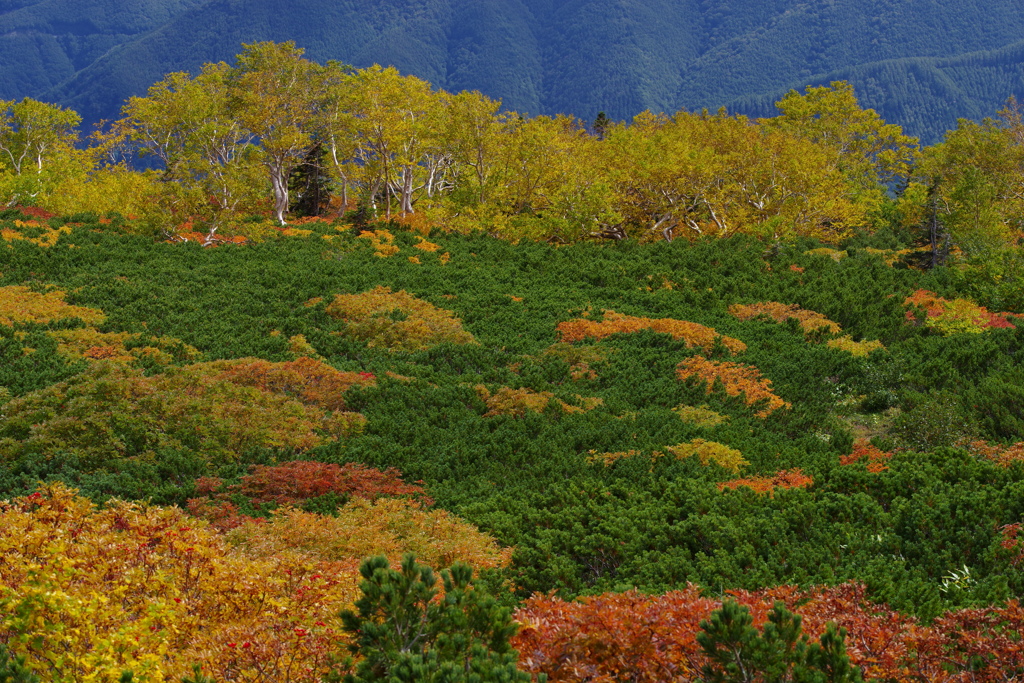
(921, 63)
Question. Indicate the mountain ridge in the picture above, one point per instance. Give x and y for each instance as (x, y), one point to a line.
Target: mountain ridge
(547, 56)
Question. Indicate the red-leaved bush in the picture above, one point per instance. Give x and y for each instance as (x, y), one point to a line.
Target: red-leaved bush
(295, 482)
(653, 638)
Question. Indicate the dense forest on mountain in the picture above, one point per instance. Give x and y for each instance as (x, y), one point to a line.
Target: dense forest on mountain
(662, 399)
(920, 64)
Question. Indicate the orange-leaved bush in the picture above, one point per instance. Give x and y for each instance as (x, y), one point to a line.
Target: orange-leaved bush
(809, 321)
(396, 320)
(736, 378)
(643, 638)
(87, 592)
(1001, 455)
(693, 334)
(874, 457)
(387, 526)
(121, 347)
(949, 316)
(383, 242)
(786, 479)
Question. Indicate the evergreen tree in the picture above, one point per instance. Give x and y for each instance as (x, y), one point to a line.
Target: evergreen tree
(309, 184)
(779, 654)
(13, 669)
(401, 634)
(601, 124)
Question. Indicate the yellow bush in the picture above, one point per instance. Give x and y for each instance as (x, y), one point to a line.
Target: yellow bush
(396, 320)
(861, 348)
(701, 417)
(20, 304)
(86, 593)
(40, 234)
(710, 452)
(387, 526)
(383, 242)
(518, 402)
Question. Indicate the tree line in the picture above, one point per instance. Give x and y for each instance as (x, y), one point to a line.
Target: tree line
(277, 134)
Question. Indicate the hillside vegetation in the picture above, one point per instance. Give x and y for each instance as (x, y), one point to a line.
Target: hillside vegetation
(682, 393)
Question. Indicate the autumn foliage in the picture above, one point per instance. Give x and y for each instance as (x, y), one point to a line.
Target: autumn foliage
(863, 450)
(219, 409)
(860, 349)
(387, 526)
(644, 638)
(949, 316)
(19, 305)
(518, 402)
(710, 452)
(1001, 455)
(396, 320)
(86, 593)
(786, 479)
(809, 321)
(616, 323)
(736, 379)
(293, 484)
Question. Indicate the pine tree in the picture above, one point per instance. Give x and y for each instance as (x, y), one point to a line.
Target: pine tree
(779, 654)
(13, 669)
(403, 635)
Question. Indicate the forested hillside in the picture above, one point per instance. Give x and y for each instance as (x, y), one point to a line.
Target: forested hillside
(657, 400)
(922, 65)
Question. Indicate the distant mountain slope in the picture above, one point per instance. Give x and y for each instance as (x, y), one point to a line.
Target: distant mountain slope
(43, 42)
(925, 95)
(923, 63)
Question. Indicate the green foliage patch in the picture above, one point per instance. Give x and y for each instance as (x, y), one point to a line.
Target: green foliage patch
(528, 477)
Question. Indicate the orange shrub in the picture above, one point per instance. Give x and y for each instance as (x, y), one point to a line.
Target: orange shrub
(950, 316)
(396, 320)
(607, 459)
(786, 479)
(615, 323)
(387, 526)
(652, 639)
(864, 450)
(736, 379)
(91, 344)
(383, 242)
(220, 410)
(809, 320)
(308, 380)
(1001, 455)
(860, 349)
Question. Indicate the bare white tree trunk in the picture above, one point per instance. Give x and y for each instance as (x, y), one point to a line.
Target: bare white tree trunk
(279, 179)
